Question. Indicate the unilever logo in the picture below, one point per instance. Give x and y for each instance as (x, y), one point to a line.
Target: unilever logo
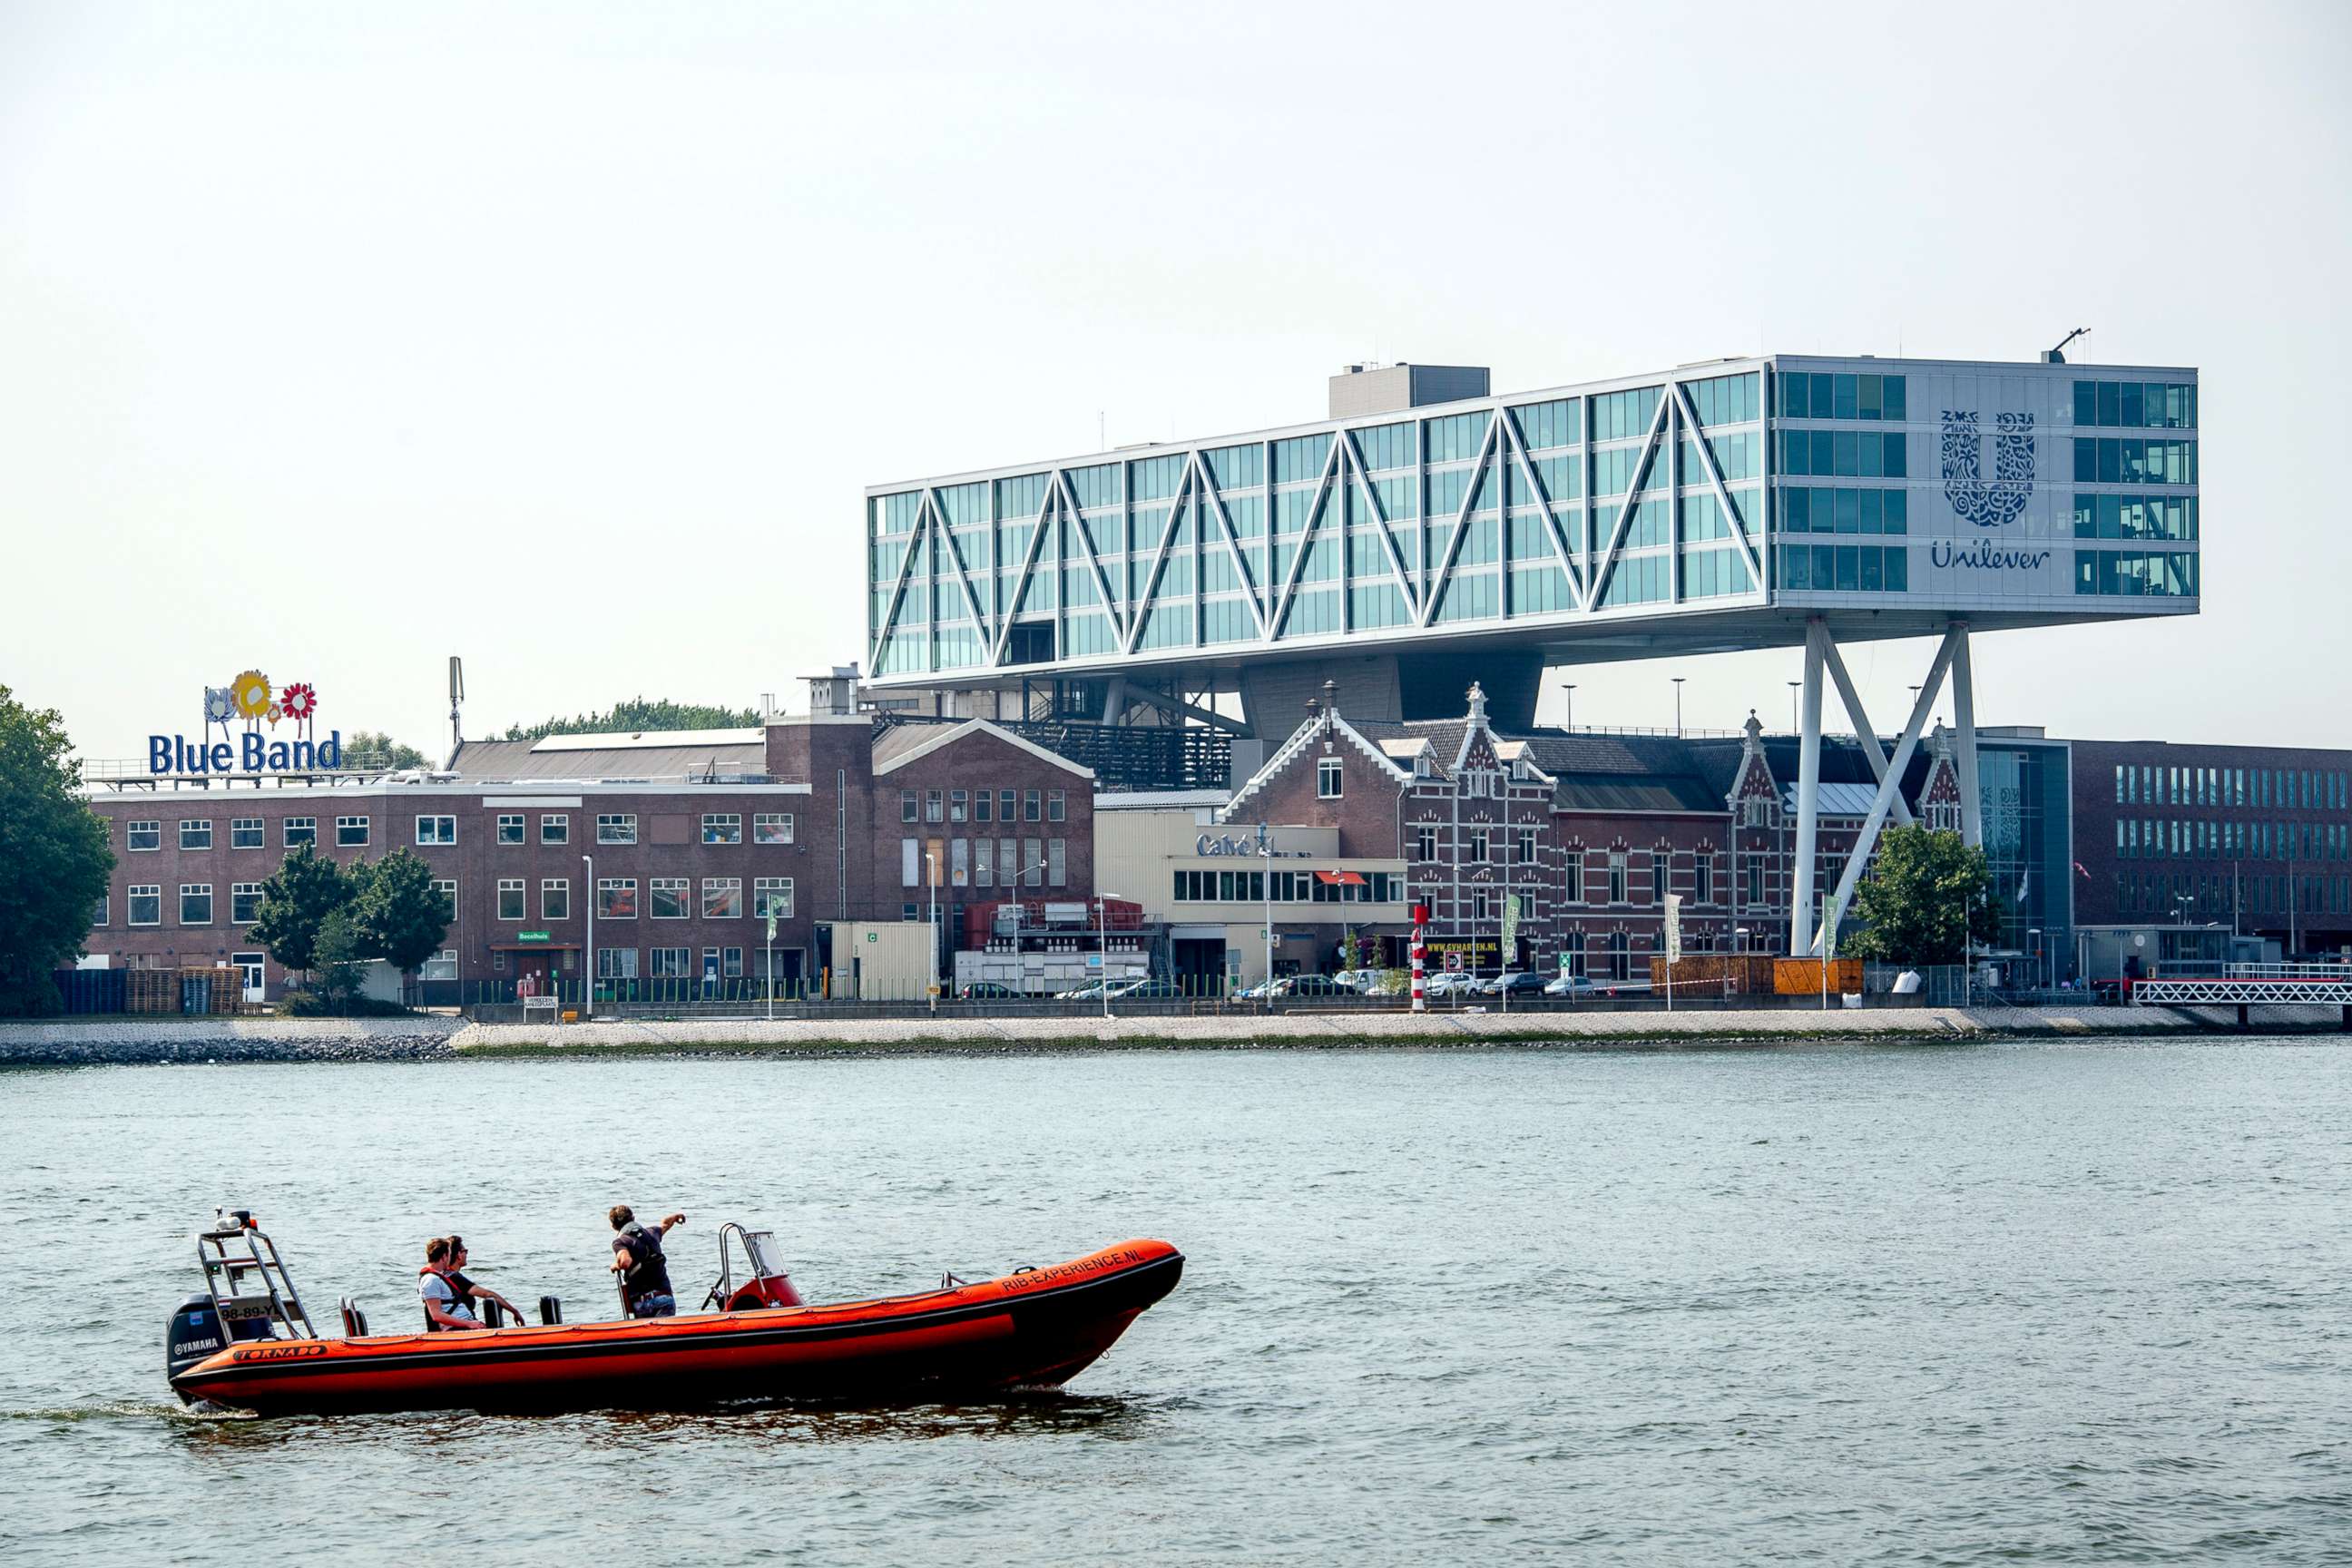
(1988, 504)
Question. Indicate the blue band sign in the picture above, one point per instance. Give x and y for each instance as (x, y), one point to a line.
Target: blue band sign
(250, 697)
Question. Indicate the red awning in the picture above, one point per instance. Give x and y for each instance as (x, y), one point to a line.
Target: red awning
(1340, 878)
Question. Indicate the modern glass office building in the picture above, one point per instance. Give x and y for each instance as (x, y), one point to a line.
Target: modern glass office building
(1404, 546)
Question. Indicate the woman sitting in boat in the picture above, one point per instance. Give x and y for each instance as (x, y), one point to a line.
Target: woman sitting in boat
(443, 1308)
(465, 1289)
(638, 1261)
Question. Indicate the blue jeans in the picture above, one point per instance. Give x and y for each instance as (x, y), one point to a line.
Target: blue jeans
(656, 1305)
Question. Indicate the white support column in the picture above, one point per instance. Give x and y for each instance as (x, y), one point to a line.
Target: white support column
(1890, 788)
(1865, 734)
(1809, 794)
(1964, 718)
(1114, 700)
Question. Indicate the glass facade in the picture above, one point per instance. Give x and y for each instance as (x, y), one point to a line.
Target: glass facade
(2026, 799)
(1685, 491)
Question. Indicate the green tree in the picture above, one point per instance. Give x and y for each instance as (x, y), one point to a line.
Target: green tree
(54, 858)
(398, 915)
(295, 902)
(637, 715)
(337, 954)
(374, 749)
(1924, 889)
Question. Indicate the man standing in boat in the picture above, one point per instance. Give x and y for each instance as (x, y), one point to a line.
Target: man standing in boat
(638, 1261)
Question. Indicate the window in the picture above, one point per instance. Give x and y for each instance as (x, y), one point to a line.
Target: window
(1657, 883)
(1703, 879)
(145, 904)
(352, 832)
(510, 898)
(1004, 806)
(984, 806)
(244, 833)
(1033, 861)
(1030, 806)
(665, 898)
(1329, 779)
(143, 836)
(555, 827)
(959, 805)
(555, 899)
(730, 961)
(910, 807)
(436, 830)
(722, 827)
(616, 898)
(510, 827)
(616, 827)
(722, 898)
(931, 808)
(771, 827)
(448, 889)
(670, 963)
(616, 964)
(244, 903)
(771, 896)
(295, 831)
(1481, 908)
(195, 903)
(910, 862)
(1617, 877)
(195, 835)
(1057, 867)
(442, 965)
(1474, 853)
(98, 916)
(1424, 841)
(1527, 848)
(1056, 807)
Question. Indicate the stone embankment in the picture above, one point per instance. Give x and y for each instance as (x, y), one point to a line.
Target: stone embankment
(82, 1042)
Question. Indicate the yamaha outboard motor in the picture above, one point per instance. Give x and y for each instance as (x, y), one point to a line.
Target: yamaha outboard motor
(195, 1334)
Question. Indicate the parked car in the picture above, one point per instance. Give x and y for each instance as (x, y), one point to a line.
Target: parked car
(1310, 985)
(1090, 992)
(989, 991)
(1148, 991)
(1360, 981)
(1448, 982)
(1572, 986)
(1521, 983)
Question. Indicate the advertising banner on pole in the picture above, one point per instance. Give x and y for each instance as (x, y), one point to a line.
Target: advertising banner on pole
(1674, 927)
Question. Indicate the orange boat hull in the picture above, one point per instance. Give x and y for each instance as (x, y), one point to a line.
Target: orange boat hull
(1033, 1329)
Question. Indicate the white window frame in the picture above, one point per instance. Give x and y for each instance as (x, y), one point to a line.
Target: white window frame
(447, 888)
(726, 825)
(442, 965)
(658, 959)
(520, 822)
(1330, 779)
(772, 826)
(606, 884)
(366, 827)
(196, 889)
(910, 862)
(131, 834)
(100, 915)
(765, 892)
(1057, 862)
(447, 825)
(516, 885)
(202, 827)
(656, 887)
(257, 827)
(563, 886)
(244, 889)
(307, 826)
(616, 827)
(723, 886)
(559, 821)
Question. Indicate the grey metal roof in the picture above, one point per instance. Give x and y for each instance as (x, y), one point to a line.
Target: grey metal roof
(518, 760)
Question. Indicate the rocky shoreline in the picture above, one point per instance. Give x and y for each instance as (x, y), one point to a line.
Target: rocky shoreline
(429, 1037)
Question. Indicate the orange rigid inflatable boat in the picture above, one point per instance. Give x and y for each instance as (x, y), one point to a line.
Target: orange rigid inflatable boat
(248, 1343)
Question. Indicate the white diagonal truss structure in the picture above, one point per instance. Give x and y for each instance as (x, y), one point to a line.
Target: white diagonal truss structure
(1278, 530)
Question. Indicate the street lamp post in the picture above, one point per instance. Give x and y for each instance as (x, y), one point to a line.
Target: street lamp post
(588, 987)
(1678, 707)
(1571, 688)
(1266, 850)
(932, 863)
(1794, 687)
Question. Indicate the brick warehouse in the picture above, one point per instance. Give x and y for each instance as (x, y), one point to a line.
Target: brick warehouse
(2257, 839)
(1591, 830)
(693, 837)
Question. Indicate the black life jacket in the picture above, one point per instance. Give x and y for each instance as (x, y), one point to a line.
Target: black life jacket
(461, 1298)
(648, 1271)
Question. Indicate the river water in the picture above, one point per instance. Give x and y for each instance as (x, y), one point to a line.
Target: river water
(2036, 1302)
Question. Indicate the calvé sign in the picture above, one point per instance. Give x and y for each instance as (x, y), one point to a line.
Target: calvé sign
(250, 697)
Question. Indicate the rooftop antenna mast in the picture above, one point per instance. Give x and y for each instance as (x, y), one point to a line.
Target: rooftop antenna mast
(456, 701)
(2058, 355)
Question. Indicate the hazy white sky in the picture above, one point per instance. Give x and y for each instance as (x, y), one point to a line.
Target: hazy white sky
(338, 338)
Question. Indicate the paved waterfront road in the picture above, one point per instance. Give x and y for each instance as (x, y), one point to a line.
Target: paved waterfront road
(1862, 1304)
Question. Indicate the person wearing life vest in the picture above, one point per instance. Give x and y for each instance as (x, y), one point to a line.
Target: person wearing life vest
(443, 1309)
(638, 1261)
(463, 1291)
